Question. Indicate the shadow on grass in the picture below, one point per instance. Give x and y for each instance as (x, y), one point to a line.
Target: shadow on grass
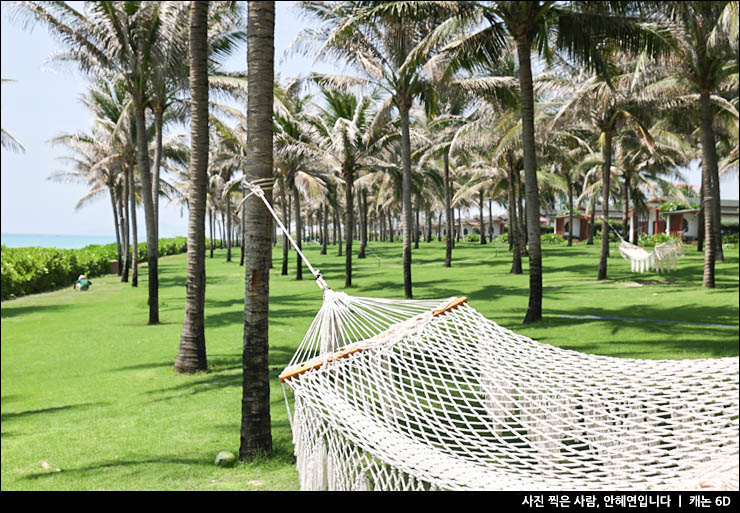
(693, 313)
(6, 416)
(206, 462)
(209, 381)
(9, 310)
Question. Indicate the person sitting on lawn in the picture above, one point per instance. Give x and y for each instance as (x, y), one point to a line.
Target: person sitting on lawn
(82, 283)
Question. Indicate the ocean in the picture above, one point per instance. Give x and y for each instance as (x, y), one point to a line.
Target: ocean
(24, 240)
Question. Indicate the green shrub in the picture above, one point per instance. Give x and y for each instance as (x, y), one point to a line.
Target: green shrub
(552, 239)
(652, 240)
(672, 206)
(32, 270)
(728, 228)
(612, 236)
(502, 239)
(473, 237)
(731, 238)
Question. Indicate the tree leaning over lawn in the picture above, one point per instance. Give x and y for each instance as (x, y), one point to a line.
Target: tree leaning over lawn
(191, 356)
(256, 438)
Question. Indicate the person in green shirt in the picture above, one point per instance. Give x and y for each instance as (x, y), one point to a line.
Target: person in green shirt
(82, 283)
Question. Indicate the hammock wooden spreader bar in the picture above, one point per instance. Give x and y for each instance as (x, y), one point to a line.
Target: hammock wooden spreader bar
(318, 362)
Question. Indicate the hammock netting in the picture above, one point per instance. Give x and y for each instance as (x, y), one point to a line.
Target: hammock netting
(431, 395)
(663, 258)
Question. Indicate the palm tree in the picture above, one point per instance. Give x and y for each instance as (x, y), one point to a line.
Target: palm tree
(440, 134)
(641, 162)
(703, 57)
(191, 356)
(129, 41)
(255, 428)
(87, 151)
(292, 131)
(578, 29)
(384, 43)
(113, 39)
(102, 159)
(609, 106)
(8, 140)
(347, 131)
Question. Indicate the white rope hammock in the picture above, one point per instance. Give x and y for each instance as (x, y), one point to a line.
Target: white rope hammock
(456, 402)
(431, 395)
(663, 258)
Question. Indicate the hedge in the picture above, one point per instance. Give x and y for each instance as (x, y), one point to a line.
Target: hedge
(32, 270)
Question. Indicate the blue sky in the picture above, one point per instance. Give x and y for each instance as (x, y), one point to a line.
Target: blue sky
(43, 103)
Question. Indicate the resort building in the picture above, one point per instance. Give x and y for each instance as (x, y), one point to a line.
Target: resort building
(582, 222)
(650, 220)
(685, 223)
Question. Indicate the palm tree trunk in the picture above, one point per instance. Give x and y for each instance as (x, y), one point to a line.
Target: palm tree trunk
(459, 223)
(338, 216)
(570, 209)
(222, 235)
(490, 220)
(719, 255)
(325, 218)
(522, 215)
(118, 233)
(605, 179)
(191, 356)
(123, 207)
(158, 122)
(626, 201)
(382, 227)
(333, 227)
(210, 224)
(430, 220)
(416, 222)
(404, 105)
(349, 224)
(152, 244)
(242, 227)
(134, 231)
(592, 206)
(534, 311)
(256, 438)
(482, 221)
(709, 175)
(700, 217)
(286, 242)
(363, 223)
(228, 228)
(298, 230)
(448, 211)
(514, 246)
(390, 227)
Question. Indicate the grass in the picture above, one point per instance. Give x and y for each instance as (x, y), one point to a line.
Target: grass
(90, 400)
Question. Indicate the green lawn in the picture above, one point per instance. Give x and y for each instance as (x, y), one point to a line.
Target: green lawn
(90, 400)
